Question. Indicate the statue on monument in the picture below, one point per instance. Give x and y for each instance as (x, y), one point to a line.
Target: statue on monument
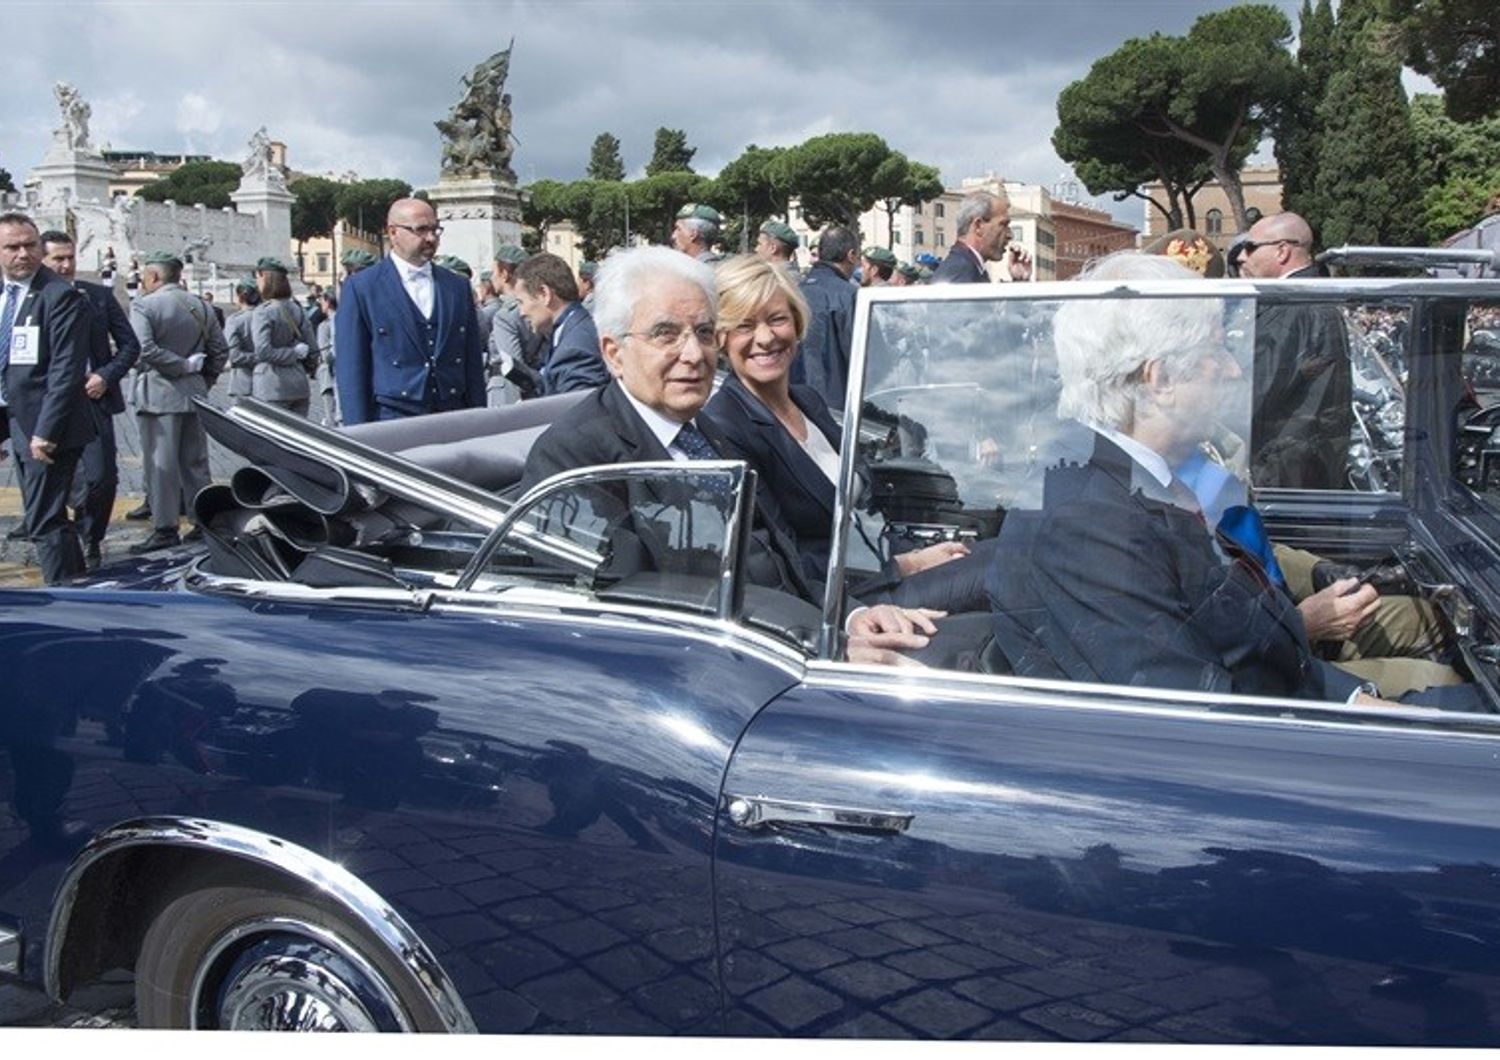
(73, 134)
(476, 134)
(259, 166)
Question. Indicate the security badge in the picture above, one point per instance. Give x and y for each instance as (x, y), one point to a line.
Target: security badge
(25, 344)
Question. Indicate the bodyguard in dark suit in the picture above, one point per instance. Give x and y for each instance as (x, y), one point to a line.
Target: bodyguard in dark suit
(98, 476)
(44, 356)
(983, 224)
(824, 363)
(407, 339)
(547, 299)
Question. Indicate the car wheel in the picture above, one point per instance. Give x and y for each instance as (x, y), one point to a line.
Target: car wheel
(240, 958)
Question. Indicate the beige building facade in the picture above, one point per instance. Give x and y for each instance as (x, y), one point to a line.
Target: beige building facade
(1214, 218)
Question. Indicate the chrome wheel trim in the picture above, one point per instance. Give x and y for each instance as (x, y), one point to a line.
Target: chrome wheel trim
(288, 987)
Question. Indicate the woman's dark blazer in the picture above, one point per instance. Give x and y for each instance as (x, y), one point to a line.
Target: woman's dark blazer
(801, 490)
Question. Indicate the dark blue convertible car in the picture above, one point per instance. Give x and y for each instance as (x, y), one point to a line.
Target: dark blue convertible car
(399, 750)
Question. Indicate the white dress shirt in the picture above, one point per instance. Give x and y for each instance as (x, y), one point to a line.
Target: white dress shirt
(418, 284)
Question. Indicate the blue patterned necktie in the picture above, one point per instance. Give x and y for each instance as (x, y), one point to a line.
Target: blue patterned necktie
(695, 443)
(7, 318)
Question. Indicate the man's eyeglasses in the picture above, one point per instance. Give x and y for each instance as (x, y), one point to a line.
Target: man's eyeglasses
(420, 230)
(669, 337)
(1250, 246)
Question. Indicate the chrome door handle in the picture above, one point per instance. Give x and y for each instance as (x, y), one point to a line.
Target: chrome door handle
(759, 811)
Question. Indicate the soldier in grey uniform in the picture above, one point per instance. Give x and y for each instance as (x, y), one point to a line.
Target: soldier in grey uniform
(326, 384)
(697, 230)
(514, 352)
(240, 341)
(182, 354)
(285, 343)
(778, 243)
(586, 270)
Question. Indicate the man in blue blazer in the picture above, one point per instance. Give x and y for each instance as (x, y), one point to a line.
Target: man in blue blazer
(407, 336)
(95, 485)
(547, 297)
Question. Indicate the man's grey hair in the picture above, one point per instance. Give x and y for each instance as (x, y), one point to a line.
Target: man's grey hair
(1102, 344)
(706, 232)
(979, 206)
(624, 279)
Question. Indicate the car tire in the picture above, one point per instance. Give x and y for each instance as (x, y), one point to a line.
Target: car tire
(244, 958)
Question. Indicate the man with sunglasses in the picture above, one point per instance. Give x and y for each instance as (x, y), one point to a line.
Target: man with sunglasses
(407, 340)
(1302, 416)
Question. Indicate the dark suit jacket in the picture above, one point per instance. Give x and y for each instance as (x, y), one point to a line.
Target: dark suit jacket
(575, 363)
(604, 428)
(1110, 581)
(383, 357)
(824, 361)
(108, 321)
(47, 398)
(960, 266)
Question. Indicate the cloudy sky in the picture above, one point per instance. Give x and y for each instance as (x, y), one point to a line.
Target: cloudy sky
(967, 85)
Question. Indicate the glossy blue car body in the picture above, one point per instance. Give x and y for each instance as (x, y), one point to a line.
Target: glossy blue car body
(612, 816)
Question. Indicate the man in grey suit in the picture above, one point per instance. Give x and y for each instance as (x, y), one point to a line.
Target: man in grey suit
(182, 354)
(44, 357)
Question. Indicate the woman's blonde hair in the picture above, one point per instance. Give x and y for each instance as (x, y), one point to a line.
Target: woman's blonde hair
(746, 283)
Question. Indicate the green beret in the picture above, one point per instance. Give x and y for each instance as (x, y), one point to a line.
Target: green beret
(162, 257)
(702, 211)
(247, 285)
(452, 264)
(924, 273)
(586, 269)
(911, 272)
(782, 231)
(510, 254)
(880, 256)
(271, 265)
(357, 259)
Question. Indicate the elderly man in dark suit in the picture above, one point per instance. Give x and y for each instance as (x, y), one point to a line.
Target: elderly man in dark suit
(657, 313)
(44, 357)
(1115, 577)
(407, 340)
(547, 299)
(983, 224)
(99, 477)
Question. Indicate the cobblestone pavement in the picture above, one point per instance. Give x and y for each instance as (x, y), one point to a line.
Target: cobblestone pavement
(106, 1006)
(18, 558)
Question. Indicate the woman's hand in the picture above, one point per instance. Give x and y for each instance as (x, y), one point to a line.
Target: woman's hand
(909, 563)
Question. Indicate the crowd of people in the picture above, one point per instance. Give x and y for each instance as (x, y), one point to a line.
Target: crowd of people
(412, 334)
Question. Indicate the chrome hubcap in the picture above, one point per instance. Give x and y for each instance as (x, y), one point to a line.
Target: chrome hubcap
(287, 993)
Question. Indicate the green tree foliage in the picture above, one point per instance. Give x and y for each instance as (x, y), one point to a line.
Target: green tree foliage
(1296, 128)
(366, 202)
(898, 182)
(747, 189)
(1365, 183)
(1458, 167)
(671, 153)
(192, 183)
(605, 162)
(1213, 90)
(315, 208)
(1457, 44)
(832, 176)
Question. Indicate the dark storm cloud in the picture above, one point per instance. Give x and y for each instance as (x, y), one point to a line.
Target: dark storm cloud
(969, 87)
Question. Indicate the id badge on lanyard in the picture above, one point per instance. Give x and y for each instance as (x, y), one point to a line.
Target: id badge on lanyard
(25, 344)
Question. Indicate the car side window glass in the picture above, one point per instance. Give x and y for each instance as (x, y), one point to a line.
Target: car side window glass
(658, 537)
(1476, 407)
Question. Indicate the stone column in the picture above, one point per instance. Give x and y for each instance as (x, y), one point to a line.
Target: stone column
(477, 215)
(272, 203)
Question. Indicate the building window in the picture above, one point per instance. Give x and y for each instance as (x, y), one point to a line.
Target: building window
(1215, 222)
(322, 262)
(942, 240)
(1252, 216)
(937, 209)
(919, 239)
(1015, 233)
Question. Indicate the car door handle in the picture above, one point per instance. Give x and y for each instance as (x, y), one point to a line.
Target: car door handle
(759, 811)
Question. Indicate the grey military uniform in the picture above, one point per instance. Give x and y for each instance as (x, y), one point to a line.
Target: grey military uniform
(279, 326)
(172, 326)
(241, 352)
(512, 342)
(326, 385)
